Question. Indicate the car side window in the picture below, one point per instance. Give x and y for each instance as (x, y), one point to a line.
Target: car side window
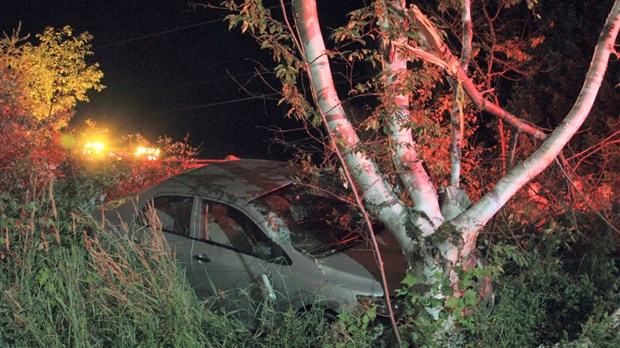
(173, 213)
(227, 226)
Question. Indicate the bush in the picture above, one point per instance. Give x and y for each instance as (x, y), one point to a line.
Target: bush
(551, 288)
(560, 286)
(120, 173)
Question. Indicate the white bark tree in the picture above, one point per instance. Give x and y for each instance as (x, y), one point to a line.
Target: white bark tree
(442, 233)
(423, 195)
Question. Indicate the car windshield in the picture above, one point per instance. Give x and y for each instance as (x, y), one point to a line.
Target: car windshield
(317, 224)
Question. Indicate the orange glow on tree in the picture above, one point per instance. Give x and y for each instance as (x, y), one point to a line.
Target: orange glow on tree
(54, 74)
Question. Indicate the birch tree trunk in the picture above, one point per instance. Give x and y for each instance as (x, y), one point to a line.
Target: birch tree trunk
(376, 191)
(442, 238)
(406, 159)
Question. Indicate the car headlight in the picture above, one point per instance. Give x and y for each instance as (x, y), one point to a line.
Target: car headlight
(379, 303)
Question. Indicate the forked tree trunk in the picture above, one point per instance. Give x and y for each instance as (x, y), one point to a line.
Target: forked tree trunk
(427, 227)
(377, 193)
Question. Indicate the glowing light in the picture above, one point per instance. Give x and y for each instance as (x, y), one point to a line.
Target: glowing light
(94, 148)
(149, 153)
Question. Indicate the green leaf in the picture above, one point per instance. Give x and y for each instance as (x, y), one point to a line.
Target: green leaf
(470, 298)
(43, 276)
(410, 280)
(453, 302)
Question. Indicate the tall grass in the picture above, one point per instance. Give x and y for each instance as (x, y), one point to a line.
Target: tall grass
(102, 290)
(66, 282)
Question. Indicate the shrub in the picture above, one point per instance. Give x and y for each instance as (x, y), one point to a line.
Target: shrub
(552, 286)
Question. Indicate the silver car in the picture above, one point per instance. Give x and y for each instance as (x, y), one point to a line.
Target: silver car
(244, 226)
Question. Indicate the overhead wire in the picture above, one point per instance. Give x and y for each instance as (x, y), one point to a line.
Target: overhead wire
(201, 106)
(218, 103)
(211, 21)
(185, 27)
(159, 33)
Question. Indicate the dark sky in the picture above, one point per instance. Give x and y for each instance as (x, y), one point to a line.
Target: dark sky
(169, 70)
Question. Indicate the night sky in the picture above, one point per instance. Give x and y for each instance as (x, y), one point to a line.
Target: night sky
(169, 70)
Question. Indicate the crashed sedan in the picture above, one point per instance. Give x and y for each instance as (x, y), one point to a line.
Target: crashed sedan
(245, 226)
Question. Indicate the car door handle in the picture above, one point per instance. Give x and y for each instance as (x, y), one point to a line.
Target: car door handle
(202, 257)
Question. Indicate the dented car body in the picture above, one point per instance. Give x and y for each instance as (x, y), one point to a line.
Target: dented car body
(245, 227)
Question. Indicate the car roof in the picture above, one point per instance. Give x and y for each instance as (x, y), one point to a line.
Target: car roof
(246, 179)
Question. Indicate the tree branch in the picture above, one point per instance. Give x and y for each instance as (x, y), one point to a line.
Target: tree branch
(406, 159)
(456, 116)
(441, 56)
(472, 220)
(377, 193)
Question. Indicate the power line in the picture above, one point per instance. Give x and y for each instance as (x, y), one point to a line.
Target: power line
(204, 82)
(223, 102)
(202, 106)
(167, 31)
(159, 33)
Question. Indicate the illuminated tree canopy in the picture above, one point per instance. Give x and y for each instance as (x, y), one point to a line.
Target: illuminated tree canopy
(52, 75)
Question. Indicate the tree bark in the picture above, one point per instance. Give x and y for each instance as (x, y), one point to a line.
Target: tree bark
(377, 193)
(440, 54)
(456, 117)
(405, 156)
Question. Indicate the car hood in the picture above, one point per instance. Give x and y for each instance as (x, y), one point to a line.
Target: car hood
(394, 261)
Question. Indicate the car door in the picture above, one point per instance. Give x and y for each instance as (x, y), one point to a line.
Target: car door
(231, 257)
(173, 215)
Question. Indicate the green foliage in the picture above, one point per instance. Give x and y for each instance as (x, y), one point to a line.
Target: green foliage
(361, 49)
(273, 35)
(550, 289)
(54, 73)
(39, 87)
(601, 330)
(95, 288)
(559, 286)
(291, 328)
(99, 289)
(358, 329)
(66, 282)
(541, 296)
(423, 296)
